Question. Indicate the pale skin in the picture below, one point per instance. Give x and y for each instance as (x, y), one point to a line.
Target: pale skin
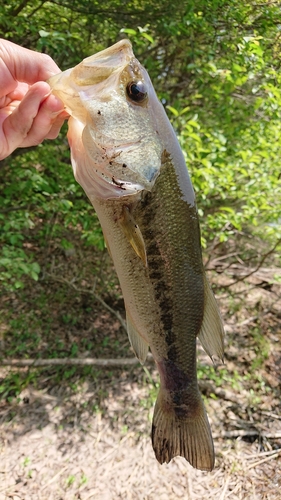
(28, 112)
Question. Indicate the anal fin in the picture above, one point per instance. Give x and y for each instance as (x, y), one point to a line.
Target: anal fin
(139, 345)
(133, 233)
(212, 333)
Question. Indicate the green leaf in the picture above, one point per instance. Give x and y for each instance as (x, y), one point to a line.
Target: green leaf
(129, 31)
(44, 33)
(148, 37)
(173, 110)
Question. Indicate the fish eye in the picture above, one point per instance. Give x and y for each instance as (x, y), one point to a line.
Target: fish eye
(136, 91)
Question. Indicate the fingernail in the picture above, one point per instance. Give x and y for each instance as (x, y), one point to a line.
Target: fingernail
(57, 113)
(48, 94)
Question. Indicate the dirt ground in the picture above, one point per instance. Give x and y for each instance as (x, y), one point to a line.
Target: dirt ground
(86, 434)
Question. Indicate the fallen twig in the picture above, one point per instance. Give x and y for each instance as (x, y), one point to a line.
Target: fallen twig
(225, 488)
(242, 433)
(69, 362)
(209, 389)
(271, 415)
(53, 479)
(271, 457)
(206, 387)
(262, 454)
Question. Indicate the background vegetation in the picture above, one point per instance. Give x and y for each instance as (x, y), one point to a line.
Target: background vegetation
(215, 65)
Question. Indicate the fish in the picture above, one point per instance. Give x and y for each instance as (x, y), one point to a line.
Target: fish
(126, 156)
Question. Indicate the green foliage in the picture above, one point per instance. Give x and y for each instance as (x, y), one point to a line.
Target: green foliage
(214, 64)
(237, 182)
(43, 207)
(14, 383)
(15, 263)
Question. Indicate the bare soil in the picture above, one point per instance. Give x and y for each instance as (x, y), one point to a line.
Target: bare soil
(84, 433)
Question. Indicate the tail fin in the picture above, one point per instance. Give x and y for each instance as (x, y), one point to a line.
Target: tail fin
(184, 432)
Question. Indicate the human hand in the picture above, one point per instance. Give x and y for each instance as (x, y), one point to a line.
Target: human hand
(28, 112)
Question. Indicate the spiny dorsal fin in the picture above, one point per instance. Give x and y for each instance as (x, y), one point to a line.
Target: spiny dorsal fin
(133, 233)
(139, 345)
(212, 333)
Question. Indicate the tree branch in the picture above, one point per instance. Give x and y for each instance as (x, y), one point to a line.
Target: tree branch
(259, 265)
(13, 209)
(21, 6)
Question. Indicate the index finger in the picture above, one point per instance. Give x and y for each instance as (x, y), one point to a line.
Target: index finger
(18, 64)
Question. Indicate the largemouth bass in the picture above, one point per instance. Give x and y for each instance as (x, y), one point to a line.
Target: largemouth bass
(126, 157)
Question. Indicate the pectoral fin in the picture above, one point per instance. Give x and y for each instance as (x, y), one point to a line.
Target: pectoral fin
(107, 245)
(133, 233)
(139, 345)
(212, 333)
